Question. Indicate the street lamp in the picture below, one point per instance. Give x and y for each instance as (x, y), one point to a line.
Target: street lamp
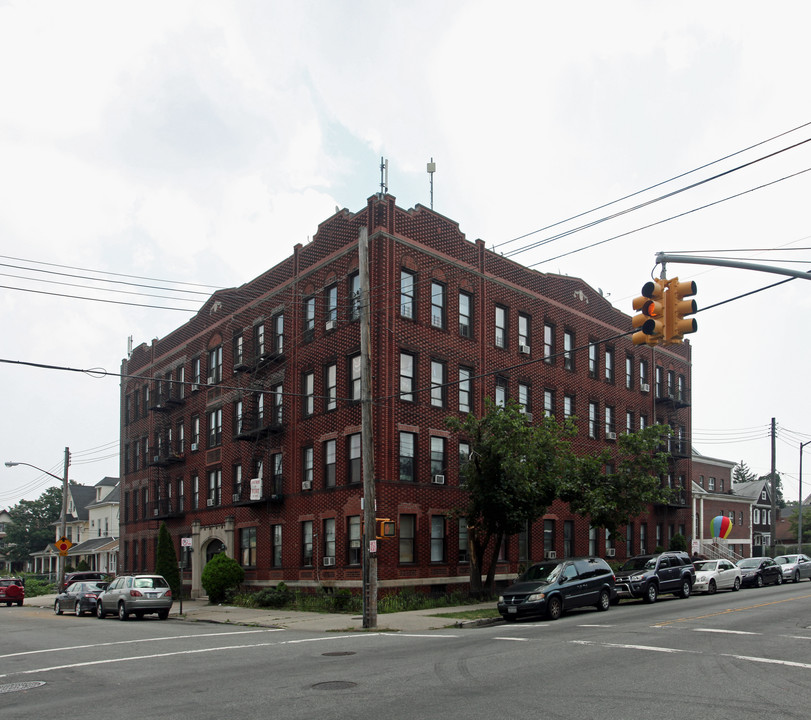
(800, 510)
(64, 481)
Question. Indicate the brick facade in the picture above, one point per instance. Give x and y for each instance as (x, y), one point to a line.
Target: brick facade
(284, 346)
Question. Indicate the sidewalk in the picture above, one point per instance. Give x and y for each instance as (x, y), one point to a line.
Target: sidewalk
(412, 621)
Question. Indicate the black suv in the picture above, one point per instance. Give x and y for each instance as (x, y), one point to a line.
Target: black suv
(648, 576)
(551, 587)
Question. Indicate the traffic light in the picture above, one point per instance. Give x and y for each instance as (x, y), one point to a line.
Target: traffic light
(385, 528)
(676, 307)
(651, 320)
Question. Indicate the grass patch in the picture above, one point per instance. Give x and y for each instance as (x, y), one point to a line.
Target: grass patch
(480, 614)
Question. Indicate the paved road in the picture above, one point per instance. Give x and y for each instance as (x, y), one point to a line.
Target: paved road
(741, 655)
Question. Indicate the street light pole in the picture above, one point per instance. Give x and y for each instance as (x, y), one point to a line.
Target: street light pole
(64, 520)
(800, 510)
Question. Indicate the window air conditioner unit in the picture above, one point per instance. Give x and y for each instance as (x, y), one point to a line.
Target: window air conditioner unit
(436, 320)
(644, 387)
(523, 349)
(210, 502)
(195, 387)
(330, 325)
(155, 511)
(550, 555)
(307, 485)
(610, 552)
(611, 436)
(329, 561)
(235, 497)
(194, 447)
(438, 480)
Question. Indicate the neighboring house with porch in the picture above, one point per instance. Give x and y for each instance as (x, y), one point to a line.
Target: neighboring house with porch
(760, 492)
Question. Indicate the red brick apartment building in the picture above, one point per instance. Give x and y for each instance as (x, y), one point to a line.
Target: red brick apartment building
(241, 429)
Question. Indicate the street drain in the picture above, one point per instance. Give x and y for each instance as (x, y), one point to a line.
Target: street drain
(334, 685)
(16, 687)
(339, 653)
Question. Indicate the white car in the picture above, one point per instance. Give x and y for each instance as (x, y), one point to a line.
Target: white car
(712, 575)
(794, 567)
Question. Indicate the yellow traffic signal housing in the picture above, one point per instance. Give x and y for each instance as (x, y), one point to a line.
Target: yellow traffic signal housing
(676, 307)
(651, 320)
(385, 528)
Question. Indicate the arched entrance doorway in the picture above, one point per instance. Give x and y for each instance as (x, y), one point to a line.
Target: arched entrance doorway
(214, 547)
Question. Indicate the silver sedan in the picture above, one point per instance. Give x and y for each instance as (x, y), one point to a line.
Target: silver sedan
(794, 567)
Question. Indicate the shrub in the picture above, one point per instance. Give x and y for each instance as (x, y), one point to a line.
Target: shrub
(274, 597)
(220, 574)
(678, 542)
(82, 565)
(166, 560)
(34, 587)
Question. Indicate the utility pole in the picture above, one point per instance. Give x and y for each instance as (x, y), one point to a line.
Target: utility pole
(63, 528)
(800, 508)
(366, 441)
(773, 528)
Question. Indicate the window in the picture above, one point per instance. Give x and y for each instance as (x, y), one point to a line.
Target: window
(437, 539)
(196, 378)
(465, 315)
(548, 536)
(643, 375)
(501, 327)
(524, 397)
(354, 377)
(238, 415)
(548, 403)
(523, 332)
(671, 383)
(329, 537)
(464, 552)
(309, 318)
(609, 420)
(277, 467)
(307, 467)
(464, 389)
(215, 487)
(593, 420)
(609, 365)
(277, 396)
(307, 543)
(195, 492)
(721, 486)
(437, 456)
(407, 283)
(523, 543)
(215, 365)
(332, 307)
(329, 463)
(629, 421)
(501, 392)
(659, 381)
(643, 422)
(568, 538)
(238, 349)
(548, 343)
(593, 360)
(308, 394)
(437, 383)
(643, 539)
(258, 340)
(353, 540)
(276, 546)
(593, 550)
(406, 377)
(354, 296)
(464, 459)
(568, 406)
(629, 372)
(181, 499)
(408, 527)
(408, 442)
(437, 305)
(237, 481)
(215, 428)
(629, 539)
(355, 474)
(568, 350)
(740, 518)
(278, 333)
(711, 484)
(247, 547)
(331, 386)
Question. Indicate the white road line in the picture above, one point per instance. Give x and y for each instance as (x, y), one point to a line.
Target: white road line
(634, 647)
(727, 632)
(133, 642)
(769, 661)
(597, 626)
(514, 639)
(796, 637)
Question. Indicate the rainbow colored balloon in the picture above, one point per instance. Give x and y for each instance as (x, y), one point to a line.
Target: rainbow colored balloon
(721, 526)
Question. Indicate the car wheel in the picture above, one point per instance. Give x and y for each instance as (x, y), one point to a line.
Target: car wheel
(605, 601)
(554, 608)
(796, 576)
(77, 608)
(651, 593)
(711, 588)
(19, 603)
(759, 580)
(686, 589)
(100, 610)
(57, 609)
(779, 579)
(163, 614)
(122, 612)
(737, 584)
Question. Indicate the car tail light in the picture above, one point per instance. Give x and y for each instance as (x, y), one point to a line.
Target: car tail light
(136, 593)
(90, 596)
(168, 593)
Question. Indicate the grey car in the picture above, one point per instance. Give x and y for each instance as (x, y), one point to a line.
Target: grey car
(137, 595)
(794, 567)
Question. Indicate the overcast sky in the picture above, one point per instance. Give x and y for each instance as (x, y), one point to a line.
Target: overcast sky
(197, 142)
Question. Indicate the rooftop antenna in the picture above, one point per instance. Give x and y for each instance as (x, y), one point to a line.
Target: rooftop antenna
(129, 347)
(384, 177)
(431, 171)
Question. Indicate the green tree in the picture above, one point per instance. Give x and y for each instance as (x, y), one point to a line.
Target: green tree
(166, 561)
(219, 575)
(742, 473)
(32, 524)
(778, 484)
(794, 521)
(511, 478)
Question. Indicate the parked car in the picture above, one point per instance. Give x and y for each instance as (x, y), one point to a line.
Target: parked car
(794, 567)
(552, 587)
(80, 576)
(12, 591)
(648, 576)
(760, 571)
(712, 575)
(138, 595)
(79, 597)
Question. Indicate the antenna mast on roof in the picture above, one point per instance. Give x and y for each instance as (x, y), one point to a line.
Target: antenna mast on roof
(431, 171)
(384, 177)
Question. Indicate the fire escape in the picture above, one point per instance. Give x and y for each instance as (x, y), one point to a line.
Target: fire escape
(672, 396)
(165, 398)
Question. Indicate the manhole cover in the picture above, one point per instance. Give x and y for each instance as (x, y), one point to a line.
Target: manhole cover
(335, 685)
(16, 687)
(340, 653)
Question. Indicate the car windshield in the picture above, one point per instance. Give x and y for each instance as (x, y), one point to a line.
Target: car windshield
(749, 563)
(640, 563)
(545, 572)
(706, 565)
